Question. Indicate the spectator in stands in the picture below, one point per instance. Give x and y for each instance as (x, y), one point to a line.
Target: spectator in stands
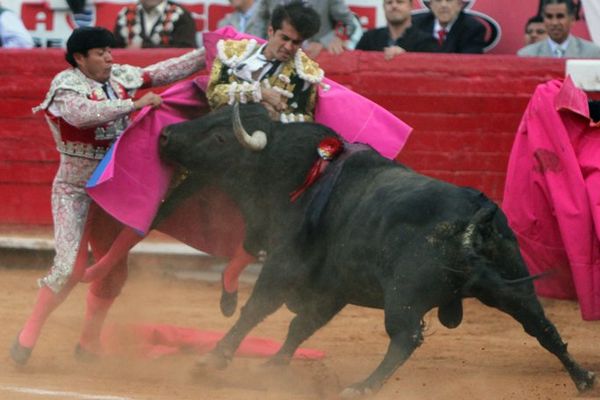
(12, 31)
(559, 16)
(399, 36)
(454, 30)
(83, 12)
(244, 18)
(155, 23)
(535, 30)
(332, 13)
(87, 108)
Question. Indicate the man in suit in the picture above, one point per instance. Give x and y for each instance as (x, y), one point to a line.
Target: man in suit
(154, 23)
(559, 16)
(399, 36)
(455, 31)
(244, 18)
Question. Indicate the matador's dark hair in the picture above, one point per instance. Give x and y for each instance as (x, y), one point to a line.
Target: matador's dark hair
(303, 18)
(85, 38)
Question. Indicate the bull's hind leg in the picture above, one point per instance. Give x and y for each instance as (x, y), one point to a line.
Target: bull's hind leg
(520, 301)
(403, 325)
(312, 316)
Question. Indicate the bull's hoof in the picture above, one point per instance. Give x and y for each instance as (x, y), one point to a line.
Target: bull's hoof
(211, 361)
(586, 382)
(228, 302)
(354, 392)
(20, 354)
(277, 362)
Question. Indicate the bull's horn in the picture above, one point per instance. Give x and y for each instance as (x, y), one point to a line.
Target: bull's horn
(256, 142)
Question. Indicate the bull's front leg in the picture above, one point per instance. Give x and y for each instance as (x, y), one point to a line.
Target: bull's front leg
(266, 298)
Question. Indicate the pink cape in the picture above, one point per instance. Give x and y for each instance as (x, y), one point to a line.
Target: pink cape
(552, 194)
(158, 340)
(132, 181)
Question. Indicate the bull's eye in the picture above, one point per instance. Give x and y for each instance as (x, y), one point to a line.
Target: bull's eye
(220, 139)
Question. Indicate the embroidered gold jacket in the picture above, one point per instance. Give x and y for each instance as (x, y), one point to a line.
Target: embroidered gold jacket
(296, 79)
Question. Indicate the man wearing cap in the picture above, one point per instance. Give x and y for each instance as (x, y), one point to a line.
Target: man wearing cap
(87, 108)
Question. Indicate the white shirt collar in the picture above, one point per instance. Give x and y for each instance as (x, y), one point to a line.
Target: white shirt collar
(563, 46)
(255, 62)
(437, 27)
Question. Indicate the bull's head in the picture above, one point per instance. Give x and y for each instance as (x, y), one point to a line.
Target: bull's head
(214, 137)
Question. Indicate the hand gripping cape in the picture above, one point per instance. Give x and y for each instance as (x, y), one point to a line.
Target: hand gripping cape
(131, 181)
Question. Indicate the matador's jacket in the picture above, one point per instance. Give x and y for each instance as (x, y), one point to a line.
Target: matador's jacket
(174, 28)
(85, 118)
(240, 71)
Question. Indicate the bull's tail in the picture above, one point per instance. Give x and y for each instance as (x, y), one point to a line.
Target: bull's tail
(480, 230)
(472, 237)
(477, 241)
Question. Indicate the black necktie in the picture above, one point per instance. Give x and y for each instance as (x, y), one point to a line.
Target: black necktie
(107, 91)
(274, 66)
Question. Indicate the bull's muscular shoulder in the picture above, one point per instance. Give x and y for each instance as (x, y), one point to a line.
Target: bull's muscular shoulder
(307, 69)
(232, 52)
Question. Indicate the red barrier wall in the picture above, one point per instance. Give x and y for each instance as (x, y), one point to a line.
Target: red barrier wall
(464, 109)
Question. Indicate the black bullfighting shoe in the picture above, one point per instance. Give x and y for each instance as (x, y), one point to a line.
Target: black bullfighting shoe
(228, 301)
(19, 354)
(83, 355)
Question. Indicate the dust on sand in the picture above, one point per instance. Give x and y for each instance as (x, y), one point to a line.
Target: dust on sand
(487, 357)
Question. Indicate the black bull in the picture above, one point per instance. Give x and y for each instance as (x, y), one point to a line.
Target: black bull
(386, 238)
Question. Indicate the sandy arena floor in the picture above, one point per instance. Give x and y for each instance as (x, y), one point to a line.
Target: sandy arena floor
(488, 357)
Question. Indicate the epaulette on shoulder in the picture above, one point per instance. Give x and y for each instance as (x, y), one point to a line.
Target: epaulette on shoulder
(129, 76)
(231, 52)
(68, 79)
(308, 69)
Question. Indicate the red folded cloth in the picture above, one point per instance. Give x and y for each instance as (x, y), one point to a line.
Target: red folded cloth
(157, 340)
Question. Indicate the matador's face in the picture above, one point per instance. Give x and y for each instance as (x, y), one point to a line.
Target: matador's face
(97, 64)
(283, 43)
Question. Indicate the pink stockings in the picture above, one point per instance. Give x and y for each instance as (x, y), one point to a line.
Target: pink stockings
(128, 238)
(101, 292)
(235, 267)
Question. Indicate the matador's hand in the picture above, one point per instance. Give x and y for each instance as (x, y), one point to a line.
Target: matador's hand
(273, 98)
(149, 99)
(273, 114)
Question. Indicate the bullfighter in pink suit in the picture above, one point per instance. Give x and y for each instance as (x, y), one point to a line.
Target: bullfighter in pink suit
(87, 108)
(552, 194)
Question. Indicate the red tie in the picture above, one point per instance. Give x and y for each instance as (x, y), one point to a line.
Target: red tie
(442, 36)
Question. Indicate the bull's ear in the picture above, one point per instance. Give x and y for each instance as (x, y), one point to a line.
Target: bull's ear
(256, 141)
